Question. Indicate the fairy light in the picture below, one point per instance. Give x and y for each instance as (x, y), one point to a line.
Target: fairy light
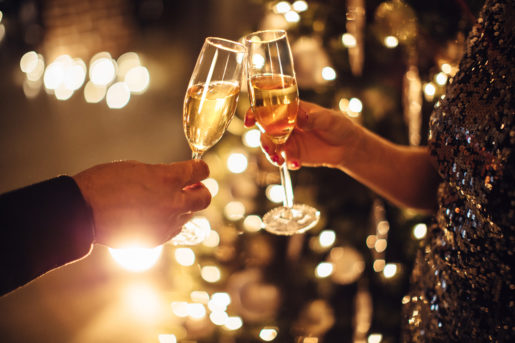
(237, 163)
(221, 299)
(218, 317)
(371, 241)
(378, 265)
(211, 274)
(429, 91)
(327, 238)
(441, 78)
(252, 138)
(292, 17)
(234, 210)
(324, 269)
(268, 334)
(62, 93)
(300, 6)
(102, 69)
(196, 311)
(375, 338)
(94, 93)
(199, 297)
(28, 61)
(212, 240)
(390, 270)
(37, 71)
(348, 40)
(253, 223)
(184, 256)
(137, 79)
(275, 193)
(136, 259)
(446, 68)
(420, 230)
(355, 105)
(233, 323)
(180, 308)
(212, 186)
(328, 73)
(126, 62)
(118, 95)
(167, 338)
(391, 42)
(380, 245)
(282, 7)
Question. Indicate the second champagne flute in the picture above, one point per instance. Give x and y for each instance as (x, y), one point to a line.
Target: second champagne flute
(274, 99)
(209, 106)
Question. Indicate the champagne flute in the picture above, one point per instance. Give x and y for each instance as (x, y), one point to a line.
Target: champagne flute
(274, 98)
(209, 106)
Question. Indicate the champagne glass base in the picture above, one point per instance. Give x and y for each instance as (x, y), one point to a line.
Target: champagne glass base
(193, 232)
(289, 221)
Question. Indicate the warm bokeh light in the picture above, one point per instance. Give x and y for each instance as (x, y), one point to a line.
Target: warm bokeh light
(355, 105)
(441, 78)
(275, 193)
(324, 269)
(126, 62)
(328, 73)
(234, 210)
(136, 259)
(268, 334)
(282, 7)
(420, 230)
(196, 310)
(233, 323)
(218, 317)
(29, 61)
(185, 256)
(167, 338)
(292, 17)
(211, 274)
(180, 308)
(221, 299)
(258, 61)
(212, 240)
(391, 41)
(199, 297)
(252, 138)
(62, 93)
(212, 185)
(36, 73)
(143, 301)
(375, 338)
(253, 223)
(300, 6)
(383, 227)
(137, 79)
(380, 245)
(348, 40)
(102, 69)
(327, 238)
(429, 91)
(94, 93)
(237, 163)
(118, 95)
(446, 68)
(378, 265)
(390, 270)
(54, 73)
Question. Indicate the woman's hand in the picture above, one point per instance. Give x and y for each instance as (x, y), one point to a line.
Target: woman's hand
(320, 138)
(147, 203)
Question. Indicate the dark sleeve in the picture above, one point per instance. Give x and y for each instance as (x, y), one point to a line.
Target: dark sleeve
(42, 227)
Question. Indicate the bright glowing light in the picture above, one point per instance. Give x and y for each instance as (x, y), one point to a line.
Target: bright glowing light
(237, 163)
(199, 297)
(211, 185)
(211, 274)
(348, 40)
(167, 338)
(143, 301)
(218, 317)
(137, 79)
(328, 73)
(31, 88)
(221, 299)
(253, 223)
(371, 241)
(375, 338)
(441, 78)
(184, 256)
(327, 238)
(36, 73)
(446, 68)
(390, 270)
(429, 89)
(275, 193)
(62, 93)
(234, 210)
(258, 61)
(282, 7)
(180, 308)
(200, 226)
(217, 305)
(212, 240)
(391, 41)
(75, 74)
(252, 138)
(380, 245)
(324, 269)
(420, 230)
(136, 259)
(355, 105)
(118, 95)
(233, 323)
(126, 62)
(292, 17)
(378, 265)
(102, 71)
(94, 93)
(383, 227)
(54, 75)
(196, 311)
(268, 334)
(29, 61)
(300, 5)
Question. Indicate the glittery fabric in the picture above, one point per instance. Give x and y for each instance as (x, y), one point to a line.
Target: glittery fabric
(462, 287)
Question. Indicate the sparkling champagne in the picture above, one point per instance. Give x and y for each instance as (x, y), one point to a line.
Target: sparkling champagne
(208, 110)
(275, 102)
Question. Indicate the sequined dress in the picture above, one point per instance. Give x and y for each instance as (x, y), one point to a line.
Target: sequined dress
(462, 285)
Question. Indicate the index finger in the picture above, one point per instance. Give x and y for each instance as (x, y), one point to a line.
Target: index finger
(189, 172)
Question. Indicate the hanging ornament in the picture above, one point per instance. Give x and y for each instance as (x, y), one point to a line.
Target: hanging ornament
(355, 26)
(412, 103)
(396, 19)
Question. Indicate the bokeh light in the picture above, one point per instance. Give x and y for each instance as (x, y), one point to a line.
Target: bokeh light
(390, 270)
(348, 40)
(218, 317)
(28, 61)
(441, 78)
(324, 269)
(143, 301)
(212, 240)
(94, 93)
(282, 7)
(420, 230)
(328, 73)
(211, 274)
(300, 6)
(327, 238)
(275, 193)
(196, 310)
(102, 69)
(237, 163)
(136, 259)
(252, 138)
(199, 297)
(167, 338)
(234, 210)
(268, 334)
(185, 256)
(375, 338)
(355, 105)
(118, 95)
(391, 41)
(253, 223)
(137, 79)
(292, 17)
(180, 308)
(212, 185)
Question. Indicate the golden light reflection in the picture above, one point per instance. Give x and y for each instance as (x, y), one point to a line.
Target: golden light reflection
(137, 79)
(126, 62)
(94, 93)
(143, 301)
(29, 61)
(420, 230)
(324, 269)
(196, 311)
(211, 274)
(212, 240)
(118, 95)
(391, 42)
(219, 302)
(218, 317)
(268, 334)
(185, 256)
(102, 69)
(237, 163)
(328, 73)
(199, 297)
(233, 323)
(253, 223)
(180, 308)
(234, 210)
(348, 40)
(136, 259)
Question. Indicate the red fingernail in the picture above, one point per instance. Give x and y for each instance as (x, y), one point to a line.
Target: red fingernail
(247, 121)
(295, 164)
(267, 149)
(275, 158)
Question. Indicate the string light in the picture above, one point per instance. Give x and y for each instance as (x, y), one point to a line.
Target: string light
(237, 163)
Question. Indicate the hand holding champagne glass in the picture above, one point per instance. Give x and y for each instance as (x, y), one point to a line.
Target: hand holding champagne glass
(209, 106)
(274, 101)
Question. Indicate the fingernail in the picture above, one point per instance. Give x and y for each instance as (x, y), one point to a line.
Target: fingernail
(247, 121)
(294, 164)
(275, 158)
(267, 149)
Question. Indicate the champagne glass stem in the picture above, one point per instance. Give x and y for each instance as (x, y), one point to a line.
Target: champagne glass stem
(286, 183)
(196, 155)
